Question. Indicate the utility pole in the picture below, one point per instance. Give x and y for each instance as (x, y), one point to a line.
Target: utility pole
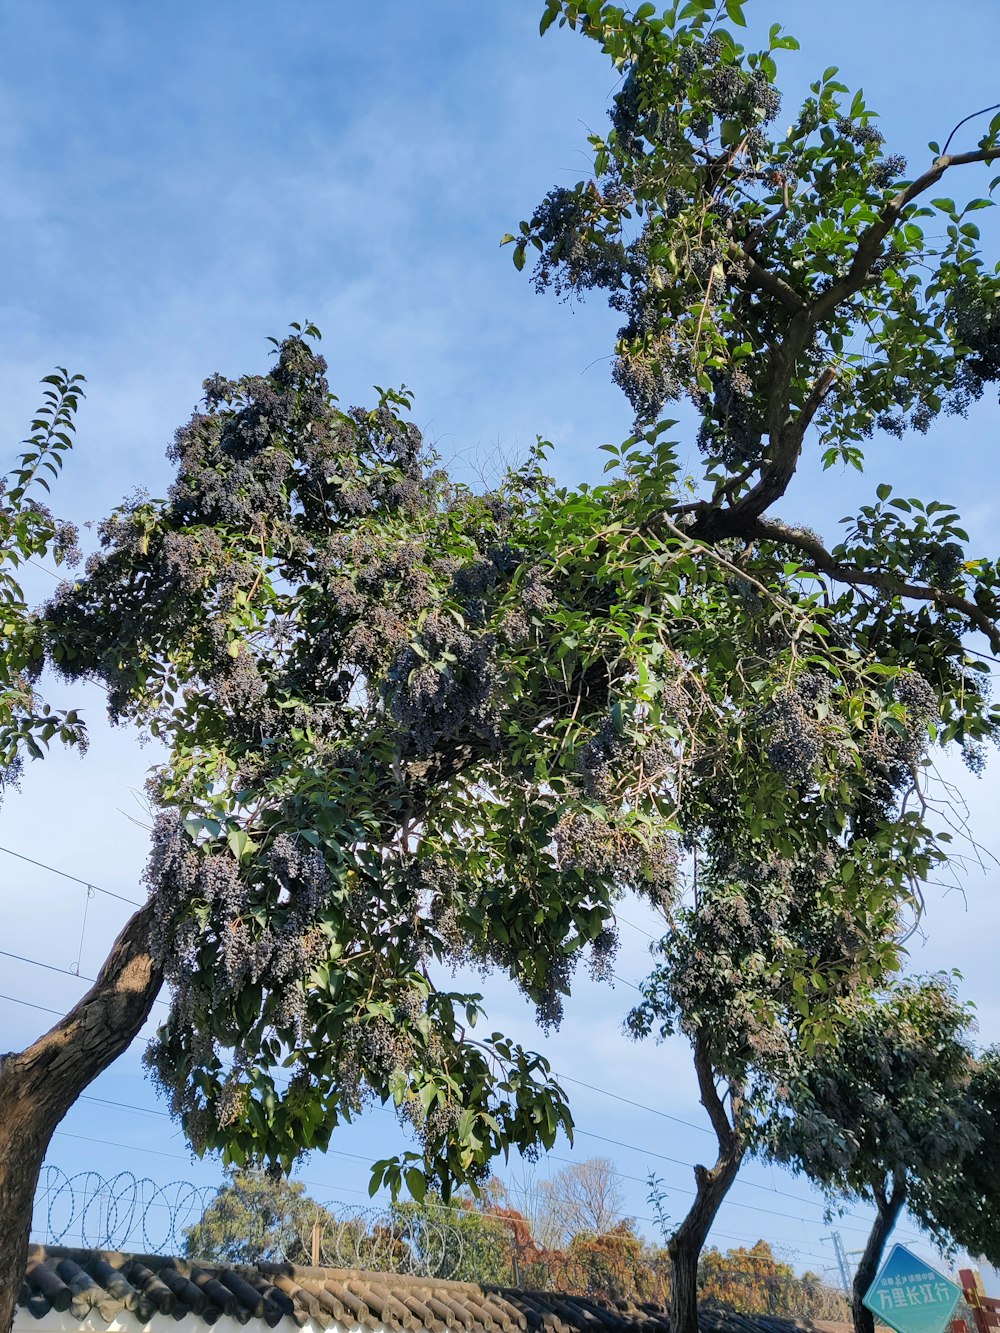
(838, 1248)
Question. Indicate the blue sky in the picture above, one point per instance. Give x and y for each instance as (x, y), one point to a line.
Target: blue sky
(181, 181)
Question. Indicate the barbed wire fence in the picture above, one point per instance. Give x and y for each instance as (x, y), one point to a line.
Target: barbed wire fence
(119, 1212)
(131, 1213)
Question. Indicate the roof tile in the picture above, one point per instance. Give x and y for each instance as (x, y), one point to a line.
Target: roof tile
(143, 1285)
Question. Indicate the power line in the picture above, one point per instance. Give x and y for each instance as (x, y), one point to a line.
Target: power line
(51, 967)
(676, 1161)
(631, 1147)
(359, 1157)
(128, 1147)
(333, 1197)
(126, 1106)
(28, 1004)
(690, 1124)
(616, 977)
(632, 926)
(51, 572)
(647, 1152)
(134, 902)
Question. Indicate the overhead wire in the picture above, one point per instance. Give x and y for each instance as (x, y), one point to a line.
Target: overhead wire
(29, 1004)
(591, 1087)
(52, 967)
(49, 967)
(365, 1158)
(87, 884)
(632, 926)
(631, 1147)
(677, 1120)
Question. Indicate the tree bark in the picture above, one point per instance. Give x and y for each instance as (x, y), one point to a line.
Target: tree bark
(712, 1186)
(889, 1207)
(40, 1084)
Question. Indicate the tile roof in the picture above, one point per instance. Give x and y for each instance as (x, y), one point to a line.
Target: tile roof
(108, 1284)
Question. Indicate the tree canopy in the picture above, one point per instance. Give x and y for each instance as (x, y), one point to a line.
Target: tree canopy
(889, 1115)
(29, 531)
(254, 1219)
(409, 724)
(797, 289)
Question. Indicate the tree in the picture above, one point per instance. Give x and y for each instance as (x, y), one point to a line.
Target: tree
(752, 1281)
(257, 1219)
(38, 1085)
(760, 952)
(469, 1238)
(29, 531)
(614, 1265)
(408, 724)
(585, 1197)
(376, 705)
(783, 284)
(886, 1116)
(958, 1203)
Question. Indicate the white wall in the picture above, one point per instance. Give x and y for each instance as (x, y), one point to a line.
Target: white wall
(126, 1322)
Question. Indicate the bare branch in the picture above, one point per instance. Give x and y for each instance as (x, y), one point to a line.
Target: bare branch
(725, 1132)
(965, 121)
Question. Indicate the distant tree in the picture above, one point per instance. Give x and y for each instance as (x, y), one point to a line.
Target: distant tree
(583, 1198)
(615, 1265)
(747, 1279)
(466, 1238)
(960, 1202)
(890, 1115)
(752, 1281)
(255, 1218)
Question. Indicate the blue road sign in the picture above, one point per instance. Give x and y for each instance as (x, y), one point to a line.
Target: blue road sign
(910, 1296)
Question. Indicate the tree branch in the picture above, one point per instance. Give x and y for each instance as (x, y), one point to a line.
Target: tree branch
(104, 1021)
(870, 241)
(766, 281)
(710, 1099)
(822, 562)
(786, 434)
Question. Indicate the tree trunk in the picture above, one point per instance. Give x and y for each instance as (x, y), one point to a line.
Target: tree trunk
(40, 1084)
(889, 1207)
(713, 1184)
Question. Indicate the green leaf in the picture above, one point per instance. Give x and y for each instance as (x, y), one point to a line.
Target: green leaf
(416, 1183)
